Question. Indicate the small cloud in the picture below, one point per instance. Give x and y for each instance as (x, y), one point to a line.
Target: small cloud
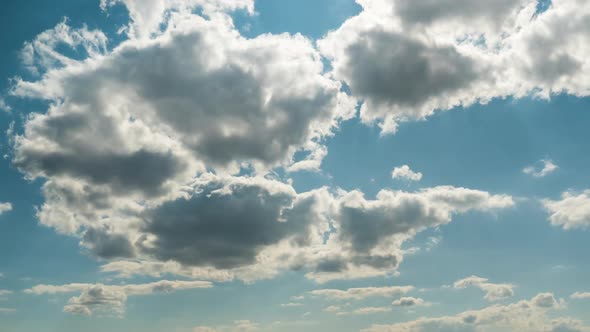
(7, 310)
(405, 172)
(580, 296)
(494, 292)
(5, 207)
(410, 302)
(541, 169)
(292, 304)
(4, 107)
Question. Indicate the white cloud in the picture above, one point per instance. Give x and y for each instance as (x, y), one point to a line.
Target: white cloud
(410, 302)
(291, 304)
(4, 107)
(361, 293)
(110, 299)
(404, 172)
(571, 211)
(5, 207)
(524, 316)
(131, 133)
(7, 310)
(580, 295)
(366, 311)
(407, 59)
(148, 15)
(494, 292)
(237, 326)
(547, 168)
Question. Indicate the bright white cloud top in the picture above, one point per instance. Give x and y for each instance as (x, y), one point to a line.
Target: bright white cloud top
(405, 173)
(5, 207)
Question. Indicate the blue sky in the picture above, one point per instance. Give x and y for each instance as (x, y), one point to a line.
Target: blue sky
(210, 165)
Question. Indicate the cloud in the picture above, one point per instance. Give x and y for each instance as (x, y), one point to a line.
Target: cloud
(361, 293)
(548, 168)
(140, 147)
(366, 311)
(4, 107)
(410, 302)
(406, 60)
(527, 316)
(5, 207)
(237, 326)
(494, 292)
(148, 16)
(404, 172)
(7, 310)
(252, 228)
(292, 304)
(580, 295)
(572, 211)
(110, 299)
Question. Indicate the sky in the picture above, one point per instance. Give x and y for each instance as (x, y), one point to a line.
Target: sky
(261, 165)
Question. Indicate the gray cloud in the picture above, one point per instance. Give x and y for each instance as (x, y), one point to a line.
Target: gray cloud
(225, 224)
(391, 69)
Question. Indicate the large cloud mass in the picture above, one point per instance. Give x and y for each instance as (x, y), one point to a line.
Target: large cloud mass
(145, 147)
(407, 59)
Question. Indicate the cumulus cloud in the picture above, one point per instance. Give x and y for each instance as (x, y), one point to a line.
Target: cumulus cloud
(140, 147)
(572, 211)
(5, 207)
(330, 235)
(148, 16)
(494, 292)
(547, 167)
(407, 59)
(410, 302)
(405, 173)
(531, 315)
(110, 299)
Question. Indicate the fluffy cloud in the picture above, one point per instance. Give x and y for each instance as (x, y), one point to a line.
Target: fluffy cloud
(251, 228)
(406, 173)
(361, 293)
(494, 292)
(5, 207)
(527, 316)
(571, 211)
(110, 299)
(408, 59)
(410, 302)
(148, 15)
(141, 145)
(547, 167)
(580, 295)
